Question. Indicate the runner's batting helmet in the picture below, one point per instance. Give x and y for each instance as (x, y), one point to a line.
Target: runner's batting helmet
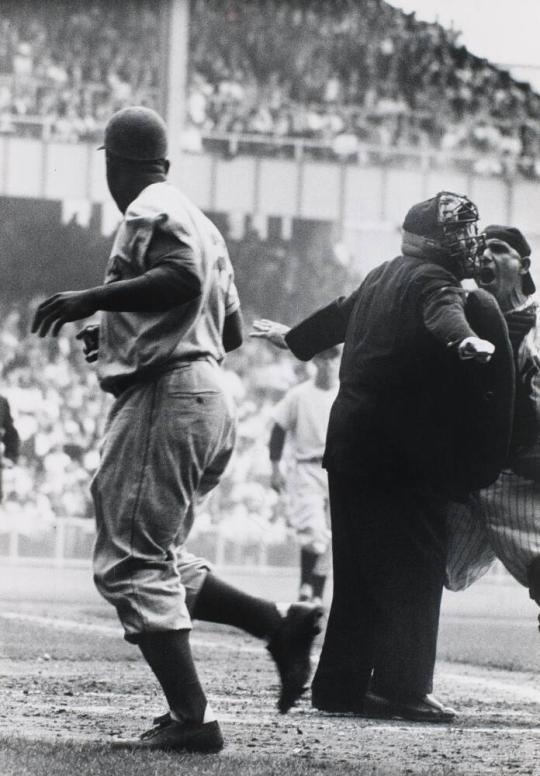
(136, 133)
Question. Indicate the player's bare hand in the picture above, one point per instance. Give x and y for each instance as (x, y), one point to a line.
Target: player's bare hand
(476, 348)
(90, 339)
(59, 309)
(272, 331)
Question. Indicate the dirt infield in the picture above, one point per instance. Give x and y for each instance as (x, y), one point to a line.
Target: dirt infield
(72, 678)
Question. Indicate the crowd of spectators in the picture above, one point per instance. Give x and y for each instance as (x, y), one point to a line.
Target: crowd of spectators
(73, 62)
(351, 78)
(354, 75)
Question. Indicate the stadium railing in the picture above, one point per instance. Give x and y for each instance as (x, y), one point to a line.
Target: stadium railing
(232, 144)
(67, 542)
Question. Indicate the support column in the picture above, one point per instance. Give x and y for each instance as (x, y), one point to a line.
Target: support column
(175, 34)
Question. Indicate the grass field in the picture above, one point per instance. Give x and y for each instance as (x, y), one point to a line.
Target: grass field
(70, 684)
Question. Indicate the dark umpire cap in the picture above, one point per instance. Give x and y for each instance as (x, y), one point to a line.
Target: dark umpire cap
(515, 239)
(433, 216)
(422, 219)
(136, 133)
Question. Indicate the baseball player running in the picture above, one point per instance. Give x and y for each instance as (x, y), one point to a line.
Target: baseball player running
(301, 417)
(170, 311)
(504, 520)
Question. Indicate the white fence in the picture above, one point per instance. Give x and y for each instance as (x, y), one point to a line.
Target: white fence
(67, 543)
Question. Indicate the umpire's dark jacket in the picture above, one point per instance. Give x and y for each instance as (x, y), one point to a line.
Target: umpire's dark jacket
(400, 328)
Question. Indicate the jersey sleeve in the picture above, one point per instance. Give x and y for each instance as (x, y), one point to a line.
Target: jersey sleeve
(285, 411)
(232, 299)
(150, 243)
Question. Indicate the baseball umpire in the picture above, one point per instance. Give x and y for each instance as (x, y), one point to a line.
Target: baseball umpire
(170, 311)
(396, 451)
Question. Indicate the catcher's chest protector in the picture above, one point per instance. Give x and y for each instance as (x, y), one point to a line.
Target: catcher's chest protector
(490, 387)
(460, 436)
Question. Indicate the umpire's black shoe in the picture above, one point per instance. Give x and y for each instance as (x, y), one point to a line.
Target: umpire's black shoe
(171, 736)
(291, 647)
(426, 709)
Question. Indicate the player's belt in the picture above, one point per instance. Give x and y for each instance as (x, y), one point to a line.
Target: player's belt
(314, 459)
(149, 374)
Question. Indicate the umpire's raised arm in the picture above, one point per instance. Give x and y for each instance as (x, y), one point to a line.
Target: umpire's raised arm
(319, 331)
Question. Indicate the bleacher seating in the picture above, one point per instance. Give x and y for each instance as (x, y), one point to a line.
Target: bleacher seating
(353, 80)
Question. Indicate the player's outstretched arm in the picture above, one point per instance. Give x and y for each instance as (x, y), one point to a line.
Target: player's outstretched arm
(272, 331)
(62, 308)
(161, 288)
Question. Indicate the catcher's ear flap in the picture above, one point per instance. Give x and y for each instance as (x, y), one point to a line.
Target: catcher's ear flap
(487, 396)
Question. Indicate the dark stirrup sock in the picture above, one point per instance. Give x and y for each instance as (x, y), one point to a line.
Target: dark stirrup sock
(220, 602)
(308, 559)
(168, 653)
(317, 583)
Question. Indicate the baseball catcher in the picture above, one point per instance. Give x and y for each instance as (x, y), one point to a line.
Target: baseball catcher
(503, 520)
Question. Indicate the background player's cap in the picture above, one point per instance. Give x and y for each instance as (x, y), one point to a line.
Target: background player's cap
(136, 133)
(516, 240)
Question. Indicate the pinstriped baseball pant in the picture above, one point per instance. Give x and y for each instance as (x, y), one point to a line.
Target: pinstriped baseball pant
(501, 521)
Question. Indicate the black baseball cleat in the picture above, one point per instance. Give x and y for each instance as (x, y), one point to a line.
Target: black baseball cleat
(425, 709)
(290, 648)
(171, 736)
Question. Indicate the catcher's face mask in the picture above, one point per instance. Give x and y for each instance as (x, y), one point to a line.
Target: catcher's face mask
(458, 218)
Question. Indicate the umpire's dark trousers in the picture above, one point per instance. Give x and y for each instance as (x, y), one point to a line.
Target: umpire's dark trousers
(389, 552)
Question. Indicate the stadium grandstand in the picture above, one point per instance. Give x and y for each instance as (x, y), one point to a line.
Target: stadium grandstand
(352, 79)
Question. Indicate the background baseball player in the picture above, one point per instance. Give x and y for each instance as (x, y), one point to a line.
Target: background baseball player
(405, 330)
(504, 520)
(301, 419)
(9, 438)
(171, 311)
